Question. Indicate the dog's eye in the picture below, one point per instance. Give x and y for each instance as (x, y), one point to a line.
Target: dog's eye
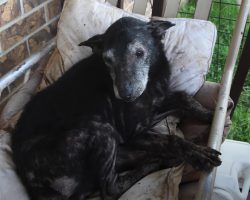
(139, 53)
(107, 60)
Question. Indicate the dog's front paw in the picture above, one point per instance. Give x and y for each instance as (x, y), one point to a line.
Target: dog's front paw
(202, 158)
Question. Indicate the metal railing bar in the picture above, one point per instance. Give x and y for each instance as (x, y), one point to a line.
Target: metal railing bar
(206, 181)
(27, 64)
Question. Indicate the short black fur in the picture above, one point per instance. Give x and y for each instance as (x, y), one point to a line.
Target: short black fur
(76, 137)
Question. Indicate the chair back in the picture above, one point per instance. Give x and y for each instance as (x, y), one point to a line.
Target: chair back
(165, 8)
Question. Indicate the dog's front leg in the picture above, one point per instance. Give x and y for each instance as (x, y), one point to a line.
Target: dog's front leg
(129, 158)
(169, 146)
(188, 106)
(113, 184)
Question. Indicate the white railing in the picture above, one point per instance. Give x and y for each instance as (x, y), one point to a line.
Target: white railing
(27, 64)
(206, 182)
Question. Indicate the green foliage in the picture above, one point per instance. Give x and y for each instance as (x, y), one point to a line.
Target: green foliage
(241, 119)
(187, 11)
(224, 14)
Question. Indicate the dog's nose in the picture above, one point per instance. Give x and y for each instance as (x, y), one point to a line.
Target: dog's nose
(128, 93)
(128, 97)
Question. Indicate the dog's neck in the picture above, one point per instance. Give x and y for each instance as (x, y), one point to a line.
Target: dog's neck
(159, 75)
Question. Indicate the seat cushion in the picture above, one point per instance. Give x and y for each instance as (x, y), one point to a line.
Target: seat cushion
(188, 45)
(10, 186)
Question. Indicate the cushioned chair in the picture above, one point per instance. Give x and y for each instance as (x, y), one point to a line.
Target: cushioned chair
(188, 46)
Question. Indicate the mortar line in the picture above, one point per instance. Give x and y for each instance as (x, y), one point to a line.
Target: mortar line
(46, 12)
(21, 6)
(28, 46)
(14, 21)
(28, 36)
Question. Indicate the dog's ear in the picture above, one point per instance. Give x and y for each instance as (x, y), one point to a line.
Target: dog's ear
(95, 42)
(158, 27)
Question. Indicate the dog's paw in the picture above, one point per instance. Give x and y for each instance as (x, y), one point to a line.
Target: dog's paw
(203, 158)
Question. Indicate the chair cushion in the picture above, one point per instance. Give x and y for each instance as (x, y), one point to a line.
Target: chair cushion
(10, 186)
(188, 45)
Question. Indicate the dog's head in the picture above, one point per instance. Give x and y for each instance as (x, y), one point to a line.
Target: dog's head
(129, 48)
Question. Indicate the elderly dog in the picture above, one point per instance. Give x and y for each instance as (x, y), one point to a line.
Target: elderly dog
(80, 133)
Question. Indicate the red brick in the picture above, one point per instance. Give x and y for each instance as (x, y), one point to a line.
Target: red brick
(9, 11)
(13, 58)
(40, 39)
(54, 8)
(30, 4)
(18, 31)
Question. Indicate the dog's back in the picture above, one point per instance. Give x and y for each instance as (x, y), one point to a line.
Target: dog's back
(55, 118)
(79, 90)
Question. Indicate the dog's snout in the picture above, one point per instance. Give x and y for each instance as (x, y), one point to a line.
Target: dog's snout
(129, 98)
(127, 92)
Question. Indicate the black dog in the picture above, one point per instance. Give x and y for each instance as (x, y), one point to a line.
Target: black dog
(76, 136)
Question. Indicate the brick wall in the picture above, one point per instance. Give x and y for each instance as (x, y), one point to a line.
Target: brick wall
(25, 27)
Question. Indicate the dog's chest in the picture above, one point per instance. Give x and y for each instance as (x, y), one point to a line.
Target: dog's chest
(140, 115)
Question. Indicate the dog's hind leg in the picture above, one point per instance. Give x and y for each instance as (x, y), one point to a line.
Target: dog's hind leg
(45, 193)
(105, 152)
(103, 148)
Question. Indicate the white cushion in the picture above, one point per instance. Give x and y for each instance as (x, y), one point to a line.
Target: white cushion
(10, 186)
(188, 45)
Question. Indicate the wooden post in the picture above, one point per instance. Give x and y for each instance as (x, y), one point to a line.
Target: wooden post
(202, 9)
(140, 6)
(241, 73)
(171, 8)
(158, 8)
